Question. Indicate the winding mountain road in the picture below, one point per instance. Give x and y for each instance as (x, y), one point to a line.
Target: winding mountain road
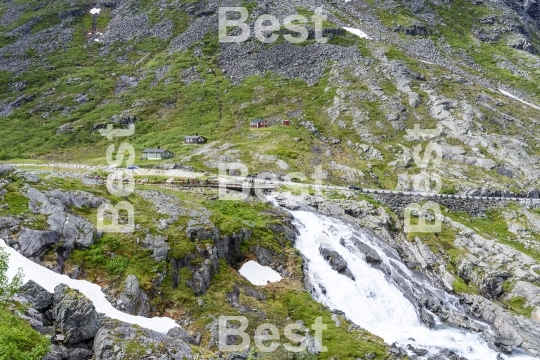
(238, 183)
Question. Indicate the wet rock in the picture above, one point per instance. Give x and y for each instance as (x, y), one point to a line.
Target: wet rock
(336, 262)
(427, 318)
(74, 315)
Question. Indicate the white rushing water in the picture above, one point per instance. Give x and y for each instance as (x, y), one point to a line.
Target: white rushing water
(49, 280)
(371, 300)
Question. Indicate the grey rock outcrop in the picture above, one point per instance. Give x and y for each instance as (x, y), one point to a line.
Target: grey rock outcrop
(34, 243)
(133, 299)
(179, 333)
(68, 230)
(37, 296)
(118, 340)
(202, 276)
(158, 245)
(76, 232)
(6, 169)
(74, 315)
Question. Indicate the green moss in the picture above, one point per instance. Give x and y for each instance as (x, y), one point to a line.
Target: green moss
(517, 305)
(460, 287)
(18, 341)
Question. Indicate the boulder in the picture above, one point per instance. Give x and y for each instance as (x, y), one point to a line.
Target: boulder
(426, 318)
(228, 246)
(34, 243)
(267, 257)
(336, 262)
(75, 231)
(74, 315)
(62, 353)
(41, 299)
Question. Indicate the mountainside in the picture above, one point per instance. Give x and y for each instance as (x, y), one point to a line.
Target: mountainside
(398, 90)
(160, 65)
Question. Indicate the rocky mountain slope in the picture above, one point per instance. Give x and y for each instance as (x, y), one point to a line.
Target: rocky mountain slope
(468, 69)
(160, 65)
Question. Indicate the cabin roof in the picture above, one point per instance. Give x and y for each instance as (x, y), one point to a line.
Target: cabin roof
(154, 150)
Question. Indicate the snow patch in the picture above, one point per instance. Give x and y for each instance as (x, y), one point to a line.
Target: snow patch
(49, 280)
(518, 99)
(357, 32)
(258, 274)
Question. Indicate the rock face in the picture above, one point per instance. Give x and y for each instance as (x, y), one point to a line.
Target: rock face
(74, 315)
(66, 229)
(79, 333)
(203, 274)
(133, 299)
(118, 340)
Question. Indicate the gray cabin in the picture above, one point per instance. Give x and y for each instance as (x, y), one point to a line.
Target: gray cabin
(157, 154)
(195, 140)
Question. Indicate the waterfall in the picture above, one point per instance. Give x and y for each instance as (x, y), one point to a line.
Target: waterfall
(371, 298)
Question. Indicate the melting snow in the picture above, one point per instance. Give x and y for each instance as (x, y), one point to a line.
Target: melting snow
(95, 11)
(258, 274)
(357, 32)
(518, 99)
(49, 280)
